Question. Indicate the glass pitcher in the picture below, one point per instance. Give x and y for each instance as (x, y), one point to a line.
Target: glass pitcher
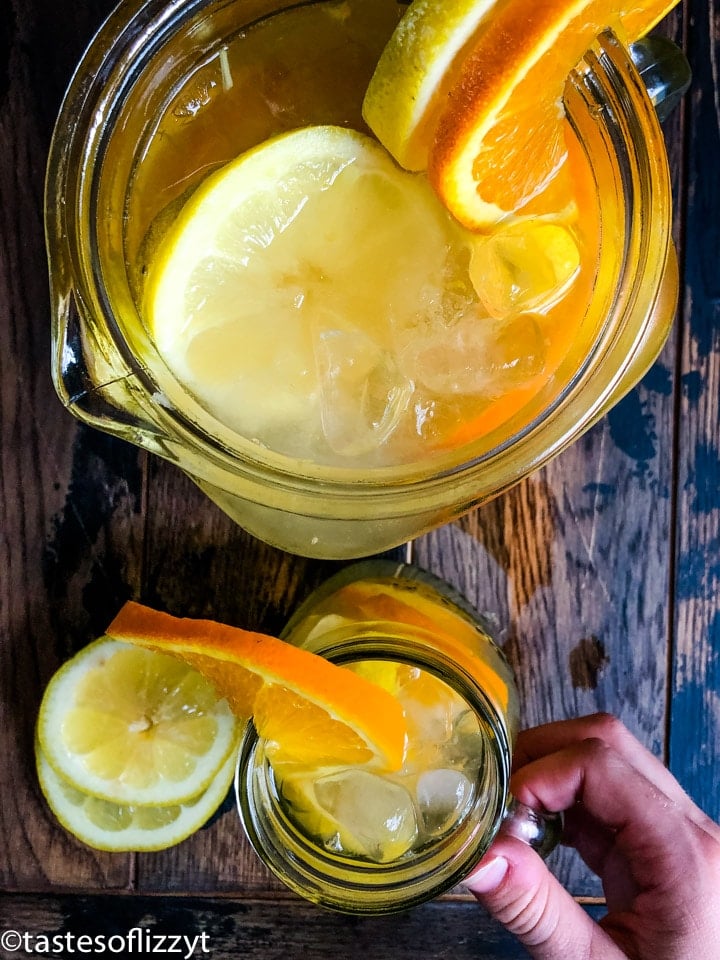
(157, 60)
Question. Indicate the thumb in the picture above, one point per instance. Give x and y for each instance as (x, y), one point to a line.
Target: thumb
(518, 890)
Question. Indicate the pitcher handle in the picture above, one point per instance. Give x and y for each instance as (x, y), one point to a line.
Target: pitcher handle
(664, 70)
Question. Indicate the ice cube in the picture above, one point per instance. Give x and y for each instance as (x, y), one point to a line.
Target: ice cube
(377, 816)
(478, 355)
(363, 395)
(466, 746)
(430, 707)
(195, 96)
(204, 87)
(526, 266)
(430, 720)
(443, 797)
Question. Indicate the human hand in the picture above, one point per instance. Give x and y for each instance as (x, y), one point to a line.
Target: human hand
(656, 852)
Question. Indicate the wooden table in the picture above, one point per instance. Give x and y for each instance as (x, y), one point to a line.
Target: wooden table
(602, 570)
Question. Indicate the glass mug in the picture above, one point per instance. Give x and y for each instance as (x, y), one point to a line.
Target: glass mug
(363, 842)
(151, 60)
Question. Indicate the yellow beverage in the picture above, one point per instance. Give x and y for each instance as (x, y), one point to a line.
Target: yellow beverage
(382, 383)
(411, 345)
(365, 839)
(379, 817)
(447, 772)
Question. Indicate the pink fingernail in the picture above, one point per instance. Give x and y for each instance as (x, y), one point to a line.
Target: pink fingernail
(488, 877)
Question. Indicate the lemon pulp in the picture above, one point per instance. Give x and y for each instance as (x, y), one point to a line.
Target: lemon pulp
(278, 294)
(105, 825)
(130, 726)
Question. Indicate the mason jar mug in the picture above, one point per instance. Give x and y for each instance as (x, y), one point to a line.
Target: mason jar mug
(368, 841)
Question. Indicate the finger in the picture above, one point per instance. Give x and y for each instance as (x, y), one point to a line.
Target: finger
(518, 890)
(613, 793)
(550, 737)
(592, 840)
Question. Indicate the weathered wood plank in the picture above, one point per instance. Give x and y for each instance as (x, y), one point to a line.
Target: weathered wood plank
(206, 565)
(574, 563)
(71, 527)
(695, 715)
(262, 930)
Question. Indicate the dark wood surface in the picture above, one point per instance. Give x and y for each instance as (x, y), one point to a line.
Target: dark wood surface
(602, 571)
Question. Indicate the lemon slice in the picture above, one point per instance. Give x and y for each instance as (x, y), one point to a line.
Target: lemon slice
(274, 295)
(105, 825)
(409, 87)
(134, 727)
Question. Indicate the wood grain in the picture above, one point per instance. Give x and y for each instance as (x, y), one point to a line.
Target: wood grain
(267, 930)
(601, 572)
(69, 516)
(695, 715)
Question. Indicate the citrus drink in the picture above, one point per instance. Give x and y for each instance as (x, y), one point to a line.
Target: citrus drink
(381, 817)
(246, 282)
(336, 312)
(363, 837)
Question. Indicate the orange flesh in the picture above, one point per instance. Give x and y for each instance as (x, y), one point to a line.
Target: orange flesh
(242, 664)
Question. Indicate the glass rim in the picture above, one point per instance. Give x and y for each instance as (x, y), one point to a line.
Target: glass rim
(366, 887)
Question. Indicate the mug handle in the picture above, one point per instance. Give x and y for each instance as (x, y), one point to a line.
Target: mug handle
(539, 829)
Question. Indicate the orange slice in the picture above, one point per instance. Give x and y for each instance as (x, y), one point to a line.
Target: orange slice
(309, 710)
(471, 90)
(451, 633)
(501, 137)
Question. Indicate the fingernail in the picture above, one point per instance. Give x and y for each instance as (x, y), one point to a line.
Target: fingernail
(488, 877)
